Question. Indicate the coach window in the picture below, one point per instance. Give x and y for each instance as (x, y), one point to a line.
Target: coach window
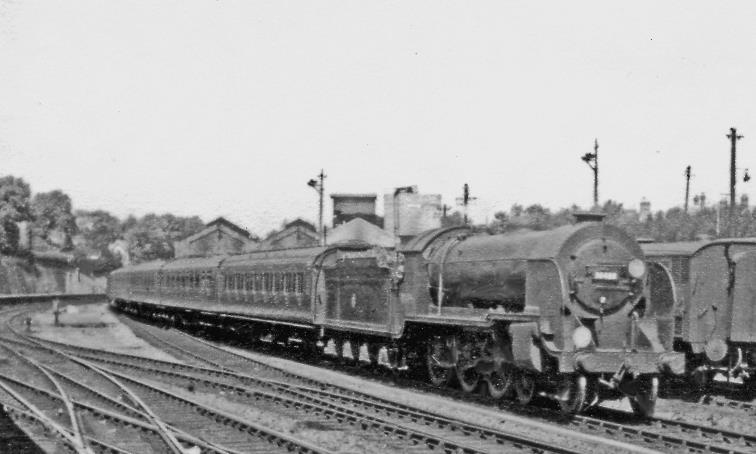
(299, 284)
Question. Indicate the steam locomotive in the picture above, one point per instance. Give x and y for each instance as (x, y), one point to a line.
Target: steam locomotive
(574, 314)
(716, 306)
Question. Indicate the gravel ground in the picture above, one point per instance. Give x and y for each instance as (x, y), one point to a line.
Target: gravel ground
(93, 326)
(484, 416)
(337, 440)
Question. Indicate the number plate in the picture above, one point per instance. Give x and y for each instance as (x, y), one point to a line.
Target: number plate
(605, 275)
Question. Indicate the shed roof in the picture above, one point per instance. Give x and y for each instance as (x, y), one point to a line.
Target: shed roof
(282, 256)
(359, 229)
(223, 221)
(153, 265)
(194, 262)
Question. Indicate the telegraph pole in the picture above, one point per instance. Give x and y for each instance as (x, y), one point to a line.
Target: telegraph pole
(465, 200)
(734, 137)
(687, 187)
(595, 172)
(592, 160)
(320, 187)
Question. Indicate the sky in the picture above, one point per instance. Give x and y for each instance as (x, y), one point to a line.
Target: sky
(228, 108)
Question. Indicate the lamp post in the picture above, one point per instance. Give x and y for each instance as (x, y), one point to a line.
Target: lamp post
(592, 160)
(397, 191)
(318, 186)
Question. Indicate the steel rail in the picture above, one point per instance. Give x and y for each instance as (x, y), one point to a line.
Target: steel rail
(49, 423)
(301, 395)
(306, 447)
(104, 447)
(711, 434)
(227, 418)
(128, 420)
(135, 413)
(75, 426)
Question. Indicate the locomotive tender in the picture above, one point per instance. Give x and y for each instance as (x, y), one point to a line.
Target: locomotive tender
(717, 305)
(572, 313)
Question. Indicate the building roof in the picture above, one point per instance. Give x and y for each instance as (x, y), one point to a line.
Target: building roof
(354, 196)
(220, 220)
(359, 229)
(300, 222)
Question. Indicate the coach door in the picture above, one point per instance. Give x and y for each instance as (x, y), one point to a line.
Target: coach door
(744, 299)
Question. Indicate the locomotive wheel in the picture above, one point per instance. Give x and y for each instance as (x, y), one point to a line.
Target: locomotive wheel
(500, 382)
(437, 374)
(338, 348)
(572, 394)
(525, 386)
(644, 403)
(468, 378)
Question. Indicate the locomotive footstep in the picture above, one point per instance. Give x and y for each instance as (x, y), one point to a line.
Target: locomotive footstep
(644, 403)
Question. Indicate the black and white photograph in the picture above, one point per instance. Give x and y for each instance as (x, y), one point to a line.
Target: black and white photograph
(343, 227)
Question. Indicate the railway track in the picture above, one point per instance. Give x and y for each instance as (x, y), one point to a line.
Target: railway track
(38, 386)
(658, 433)
(213, 369)
(303, 403)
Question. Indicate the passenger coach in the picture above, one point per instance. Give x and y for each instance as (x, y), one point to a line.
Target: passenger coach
(716, 322)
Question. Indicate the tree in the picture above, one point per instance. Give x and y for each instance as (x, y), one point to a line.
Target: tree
(52, 213)
(14, 208)
(453, 219)
(152, 236)
(98, 228)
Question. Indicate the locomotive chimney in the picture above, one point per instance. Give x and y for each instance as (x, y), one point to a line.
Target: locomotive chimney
(588, 216)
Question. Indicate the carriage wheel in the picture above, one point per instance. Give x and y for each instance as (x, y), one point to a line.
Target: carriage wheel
(354, 351)
(500, 382)
(437, 374)
(338, 348)
(374, 351)
(525, 386)
(644, 403)
(572, 394)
